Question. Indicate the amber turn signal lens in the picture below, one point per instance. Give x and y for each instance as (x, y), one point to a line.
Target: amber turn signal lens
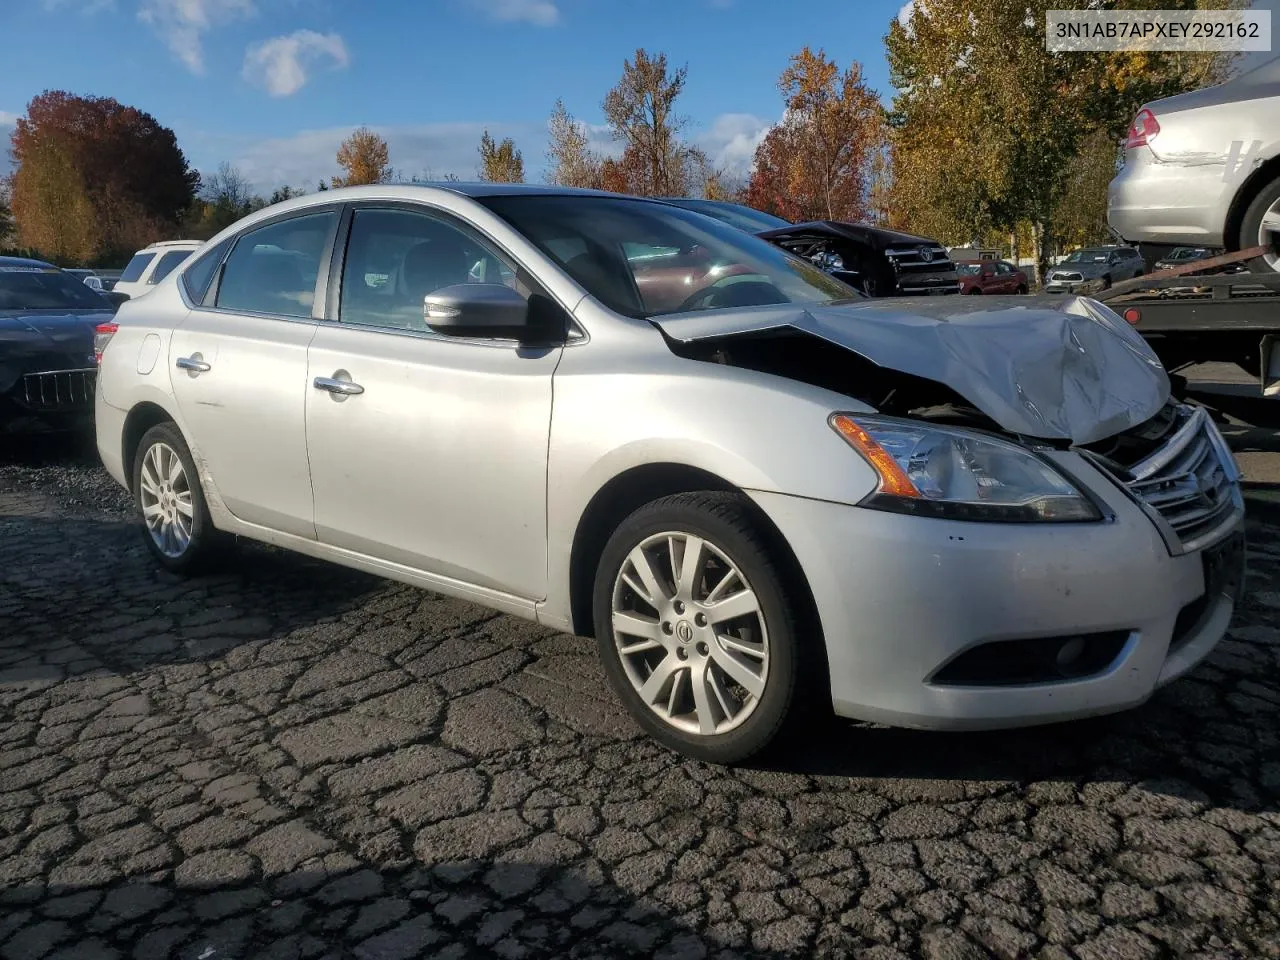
(893, 479)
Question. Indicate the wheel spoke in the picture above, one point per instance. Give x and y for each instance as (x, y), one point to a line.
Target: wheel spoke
(733, 643)
(149, 484)
(722, 695)
(183, 503)
(718, 590)
(649, 588)
(673, 699)
(1271, 220)
(150, 510)
(653, 687)
(738, 671)
(175, 467)
(706, 722)
(686, 576)
(739, 605)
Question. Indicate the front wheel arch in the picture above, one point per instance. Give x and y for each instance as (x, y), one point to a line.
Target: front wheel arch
(627, 492)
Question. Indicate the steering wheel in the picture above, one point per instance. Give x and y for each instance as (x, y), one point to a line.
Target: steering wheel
(696, 300)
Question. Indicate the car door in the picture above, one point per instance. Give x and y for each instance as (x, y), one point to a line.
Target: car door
(433, 454)
(238, 364)
(1005, 278)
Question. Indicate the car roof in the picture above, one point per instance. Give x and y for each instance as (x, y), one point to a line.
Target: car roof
(159, 244)
(25, 262)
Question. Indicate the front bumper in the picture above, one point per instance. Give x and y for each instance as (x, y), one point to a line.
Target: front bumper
(1082, 287)
(901, 597)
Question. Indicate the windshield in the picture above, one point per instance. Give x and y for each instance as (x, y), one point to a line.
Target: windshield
(643, 258)
(1088, 256)
(45, 288)
(735, 214)
(1188, 253)
(968, 269)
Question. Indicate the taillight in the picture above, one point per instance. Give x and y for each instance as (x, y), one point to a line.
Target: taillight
(102, 335)
(1143, 129)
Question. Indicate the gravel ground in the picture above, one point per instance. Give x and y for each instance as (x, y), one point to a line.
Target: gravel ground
(292, 760)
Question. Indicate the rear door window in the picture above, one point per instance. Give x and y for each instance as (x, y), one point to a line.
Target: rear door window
(273, 269)
(135, 268)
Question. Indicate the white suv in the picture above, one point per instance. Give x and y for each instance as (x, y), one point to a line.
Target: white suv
(152, 264)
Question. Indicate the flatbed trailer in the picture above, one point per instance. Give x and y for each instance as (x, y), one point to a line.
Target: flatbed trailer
(1190, 316)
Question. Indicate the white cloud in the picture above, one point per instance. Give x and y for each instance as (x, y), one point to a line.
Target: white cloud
(542, 13)
(183, 23)
(280, 65)
(731, 139)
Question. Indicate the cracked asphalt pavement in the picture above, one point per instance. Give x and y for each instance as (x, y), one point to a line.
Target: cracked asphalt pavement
(293, 760)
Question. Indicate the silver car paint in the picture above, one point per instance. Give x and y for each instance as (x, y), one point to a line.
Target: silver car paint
(1180, 188)
(623, 400)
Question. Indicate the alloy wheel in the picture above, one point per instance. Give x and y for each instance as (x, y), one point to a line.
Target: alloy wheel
(165, 495)
(690, 633)
(1269, 235)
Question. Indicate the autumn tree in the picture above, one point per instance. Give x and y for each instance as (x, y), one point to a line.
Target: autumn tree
(817, 164)
(364, 155)
(500, 162)
(988, 124)
(641, 112)
(112, 159)
(570, 161)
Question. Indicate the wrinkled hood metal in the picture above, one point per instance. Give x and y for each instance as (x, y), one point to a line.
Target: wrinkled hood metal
(1053, 368)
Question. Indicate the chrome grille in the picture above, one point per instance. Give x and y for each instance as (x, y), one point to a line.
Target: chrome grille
(58, 390)
(1191, 481)
(913, 258)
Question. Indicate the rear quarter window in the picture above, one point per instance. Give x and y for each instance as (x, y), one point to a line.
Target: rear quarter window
(135, 268)
(167, 264)
(197, 277)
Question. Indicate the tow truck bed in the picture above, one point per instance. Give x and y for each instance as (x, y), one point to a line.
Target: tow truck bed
(1189, 318)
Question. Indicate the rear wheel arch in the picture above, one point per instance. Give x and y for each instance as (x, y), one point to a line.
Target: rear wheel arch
(141, 418)
(1253, 185)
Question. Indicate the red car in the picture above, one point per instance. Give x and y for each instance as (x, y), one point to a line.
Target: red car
(990, 276)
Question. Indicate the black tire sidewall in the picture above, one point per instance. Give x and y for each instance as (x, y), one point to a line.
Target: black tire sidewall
(750, 556)
(202, 545)
(1252, 219)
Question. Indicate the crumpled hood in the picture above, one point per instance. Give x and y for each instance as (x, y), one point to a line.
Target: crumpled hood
(1086, 269)
(1054, 368)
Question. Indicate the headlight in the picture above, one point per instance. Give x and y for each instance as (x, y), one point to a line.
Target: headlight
(938, 471)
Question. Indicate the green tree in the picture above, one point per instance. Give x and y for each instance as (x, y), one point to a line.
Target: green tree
(570, 161)
(500, 162)
(987, 124)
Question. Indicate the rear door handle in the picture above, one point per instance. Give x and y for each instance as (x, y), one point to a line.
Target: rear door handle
(193, 364)
(344, 387)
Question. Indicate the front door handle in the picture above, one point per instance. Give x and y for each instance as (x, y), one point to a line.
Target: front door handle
(193, 364)
(333, 385)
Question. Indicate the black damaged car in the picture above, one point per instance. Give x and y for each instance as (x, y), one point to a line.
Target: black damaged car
(879, 262)
(47, 364)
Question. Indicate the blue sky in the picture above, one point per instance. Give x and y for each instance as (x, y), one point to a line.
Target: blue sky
(274, 85)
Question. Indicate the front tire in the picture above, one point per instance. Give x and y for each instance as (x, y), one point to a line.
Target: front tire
(176, 526)
(697, 626)
(1260, 226)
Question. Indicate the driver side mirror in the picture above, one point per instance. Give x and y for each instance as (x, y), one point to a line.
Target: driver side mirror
(477, 310)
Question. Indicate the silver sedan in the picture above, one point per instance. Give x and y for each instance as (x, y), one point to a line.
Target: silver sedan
(1203, 169)
(755, 488)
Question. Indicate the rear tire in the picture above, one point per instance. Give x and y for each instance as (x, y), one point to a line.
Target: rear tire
(1021, 290)
(721, 690)
(176, 526)
(975, 292)
(1265, 204)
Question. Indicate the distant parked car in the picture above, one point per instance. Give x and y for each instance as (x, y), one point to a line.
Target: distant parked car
(878, 262)
(1203, 169)
(1094, 268)
(152, 264)
(87, 277)
(47, 365)
(986, 276)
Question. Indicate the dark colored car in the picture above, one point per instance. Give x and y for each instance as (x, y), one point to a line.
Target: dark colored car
(879, 262)
(990, 276)
(47, 366)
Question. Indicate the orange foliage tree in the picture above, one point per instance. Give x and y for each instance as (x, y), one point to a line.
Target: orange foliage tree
(817, 164)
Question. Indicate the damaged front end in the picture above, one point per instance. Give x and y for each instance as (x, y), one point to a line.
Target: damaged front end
(994, 385)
